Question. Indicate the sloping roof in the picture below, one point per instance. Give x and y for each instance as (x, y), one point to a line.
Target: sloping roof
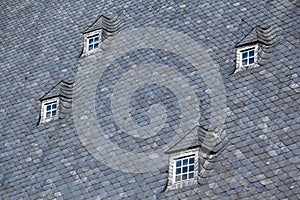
(266, 36)
(207, 141)
(145, 97)
(106, 23)
(250, 38)
(60, 89)
(190, 140)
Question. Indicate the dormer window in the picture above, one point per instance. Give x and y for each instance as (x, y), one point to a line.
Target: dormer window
(184, 161)
(57, 102)
(95, 35)
(50, 109)
(255, 48)
(193, 156)
(93, 42)
(247, 57)
(184, 168)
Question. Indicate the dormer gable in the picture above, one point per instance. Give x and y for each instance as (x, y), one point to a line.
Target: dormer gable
(253, 50)
(100, 30)
(57, 102)
(189, 157)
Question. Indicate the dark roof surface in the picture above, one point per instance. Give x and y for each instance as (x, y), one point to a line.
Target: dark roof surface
(73, 157)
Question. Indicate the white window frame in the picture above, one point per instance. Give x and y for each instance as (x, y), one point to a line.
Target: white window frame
(93, 43)
(248, 57)
(187, 166)
(45, 103)
(172, 184)
(239, 58)
(87, 36)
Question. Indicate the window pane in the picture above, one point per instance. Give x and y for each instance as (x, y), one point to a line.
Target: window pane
(177, 178)
(48, 107)
(48, 114)
(244, 62)
(191, 175)
(91, 47)
(251, 60)
(54, 106)
(96, 39)
(191, 168)
(185, 161)
(192, 160)
(184, 176)
(184, 169)
(178, 163)
(54, 113)
(251, 53)
(91, 41)
(245, 55)
(96, 46)
(178, 170)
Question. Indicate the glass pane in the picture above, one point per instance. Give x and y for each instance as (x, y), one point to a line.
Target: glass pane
(91, 41)
(96, 46)
(177, 178)
(245, 55)
(96, 39)
(191, 168)
(251, 53)
(54, 106)
(184, 169)
(184, 176)
(48, 114)
(185, 161)
(48, 107)
(244, 62)
(251, 60)
(191, 175)
(54, 113)
(178, 170)
(91, 47)
(192, 160)
(178, 163)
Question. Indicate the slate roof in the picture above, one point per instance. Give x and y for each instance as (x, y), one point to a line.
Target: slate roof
(62, 89)
(103, 22)
(206, 141)
(41, 43)
(259, 35)
(190, 140)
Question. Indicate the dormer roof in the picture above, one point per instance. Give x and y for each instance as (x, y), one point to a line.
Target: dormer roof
(258, 35)
(250, 38)
(110, 25)
(62, 89)
(196, 138)
(189, 141)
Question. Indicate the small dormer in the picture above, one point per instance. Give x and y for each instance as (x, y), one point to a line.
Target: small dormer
(50, 105)
(190, 156)
(252, 51)
(94, 36)
(184, 161)
(57, 102)
(247, 51)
